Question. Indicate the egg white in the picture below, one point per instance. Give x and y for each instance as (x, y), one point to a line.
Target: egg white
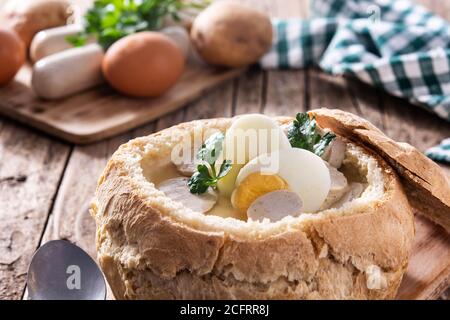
(256, 131)
(304, 172)
(252, 135)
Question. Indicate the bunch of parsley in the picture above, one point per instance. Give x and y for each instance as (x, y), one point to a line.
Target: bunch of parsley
(206, 175)
(303, 134)
(110, 20)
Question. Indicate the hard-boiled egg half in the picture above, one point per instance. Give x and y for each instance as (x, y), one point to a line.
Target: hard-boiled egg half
(264, 164)
(248, 137)
(293, 169)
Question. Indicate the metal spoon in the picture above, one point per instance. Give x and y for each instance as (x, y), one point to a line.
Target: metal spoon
(60, 270)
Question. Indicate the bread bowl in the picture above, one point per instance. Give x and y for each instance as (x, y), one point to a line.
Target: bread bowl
(152, 247)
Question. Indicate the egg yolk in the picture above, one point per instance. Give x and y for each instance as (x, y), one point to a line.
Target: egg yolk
(254, 186)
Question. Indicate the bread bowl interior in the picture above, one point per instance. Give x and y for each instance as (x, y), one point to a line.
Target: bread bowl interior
(358, 166)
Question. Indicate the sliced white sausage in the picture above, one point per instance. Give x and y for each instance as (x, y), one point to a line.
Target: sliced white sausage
(187, 169)
(68, 72)
(185, 165)
(335, 152)
(339, 187)
(177, 189)
(50, 41)
(275, 206)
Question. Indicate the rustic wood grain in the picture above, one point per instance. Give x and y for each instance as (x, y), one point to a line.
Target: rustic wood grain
(249, 95)
(31, 166)
(367, 101)
(285, 90)
(329, 92)
(428, 273)
(216, 104)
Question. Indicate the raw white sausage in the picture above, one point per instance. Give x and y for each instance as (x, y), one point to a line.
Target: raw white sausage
(50, 41)
(68, 72)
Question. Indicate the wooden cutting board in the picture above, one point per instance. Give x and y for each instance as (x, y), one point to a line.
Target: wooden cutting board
(101, 112)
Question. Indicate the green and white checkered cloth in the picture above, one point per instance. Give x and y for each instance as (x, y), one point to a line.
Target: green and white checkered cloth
(394, 45)
(440, 152)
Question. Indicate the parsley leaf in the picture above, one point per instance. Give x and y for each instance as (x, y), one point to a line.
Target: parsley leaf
(206, 176)
(78, 40)
(110, 20)
(211, 149)
(225, 167)
(200, 180)
(319, 148)
(302, 134)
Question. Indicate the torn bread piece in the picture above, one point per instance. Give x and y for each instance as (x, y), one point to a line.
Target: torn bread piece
(426, 184)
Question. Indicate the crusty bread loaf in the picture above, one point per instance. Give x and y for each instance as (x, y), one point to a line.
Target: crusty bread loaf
(426, 184)
(151, 247)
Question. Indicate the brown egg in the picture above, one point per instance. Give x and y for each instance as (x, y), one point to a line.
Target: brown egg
(12, 55)
(145, 64)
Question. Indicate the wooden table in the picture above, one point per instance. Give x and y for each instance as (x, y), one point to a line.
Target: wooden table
(46, 184)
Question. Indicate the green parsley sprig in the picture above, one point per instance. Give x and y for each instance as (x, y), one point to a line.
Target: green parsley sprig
(110, 20)
(206, 175)
(303, 134)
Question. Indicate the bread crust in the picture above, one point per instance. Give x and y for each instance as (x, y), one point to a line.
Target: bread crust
(147, 252)
(426, 184)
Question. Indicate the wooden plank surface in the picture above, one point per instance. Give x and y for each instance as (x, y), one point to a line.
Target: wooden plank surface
(30, 169)
(67, 178)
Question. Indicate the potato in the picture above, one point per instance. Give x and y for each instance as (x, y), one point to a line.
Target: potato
(28, 17)
(231, 34)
